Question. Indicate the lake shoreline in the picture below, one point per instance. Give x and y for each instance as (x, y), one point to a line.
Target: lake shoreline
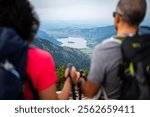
(73, 42)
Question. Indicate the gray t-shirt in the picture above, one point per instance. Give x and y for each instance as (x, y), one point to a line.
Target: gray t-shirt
(105, 62)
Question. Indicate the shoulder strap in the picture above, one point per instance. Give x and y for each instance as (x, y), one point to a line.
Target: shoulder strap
(119, 38)
(33, 90)
(28, 79)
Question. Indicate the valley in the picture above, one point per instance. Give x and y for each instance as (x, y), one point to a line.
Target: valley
(74, 44)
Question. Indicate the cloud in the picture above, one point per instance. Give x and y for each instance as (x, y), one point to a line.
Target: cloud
(74, 9)
(77, 9)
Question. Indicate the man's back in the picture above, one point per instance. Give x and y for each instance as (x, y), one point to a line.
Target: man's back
(105, 63)
(106, 59)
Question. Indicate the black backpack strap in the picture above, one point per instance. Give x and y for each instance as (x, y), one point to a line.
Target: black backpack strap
(142, 82)
(33, 90)
(29, 81)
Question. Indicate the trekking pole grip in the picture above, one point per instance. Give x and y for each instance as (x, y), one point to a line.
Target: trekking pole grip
(69, 66)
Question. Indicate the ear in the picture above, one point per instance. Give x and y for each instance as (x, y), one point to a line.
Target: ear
(116, 21)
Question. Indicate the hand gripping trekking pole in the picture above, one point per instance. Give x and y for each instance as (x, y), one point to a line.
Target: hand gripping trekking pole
(72, 82)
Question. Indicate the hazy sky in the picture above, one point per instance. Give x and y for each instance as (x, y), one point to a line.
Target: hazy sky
(78, 9)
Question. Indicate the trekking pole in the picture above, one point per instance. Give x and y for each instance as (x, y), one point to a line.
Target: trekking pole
(80, 83)
(72, 82)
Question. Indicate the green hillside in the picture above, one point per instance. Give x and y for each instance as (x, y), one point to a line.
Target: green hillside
(64, 55)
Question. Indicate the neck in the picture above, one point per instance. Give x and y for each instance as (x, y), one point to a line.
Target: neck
(127, 30)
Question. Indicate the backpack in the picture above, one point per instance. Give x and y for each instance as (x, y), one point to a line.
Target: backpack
(135, 70)
(11, 83)
(13, 58)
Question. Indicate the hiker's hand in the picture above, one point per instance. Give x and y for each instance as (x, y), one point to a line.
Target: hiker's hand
(77, 76)
(80, 77)
(73, 73)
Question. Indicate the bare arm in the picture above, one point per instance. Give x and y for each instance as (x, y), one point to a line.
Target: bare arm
(89, 88)
(50, 93)
(65, 94)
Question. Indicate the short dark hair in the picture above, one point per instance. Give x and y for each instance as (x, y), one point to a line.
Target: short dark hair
(133, 11)
(19, 15)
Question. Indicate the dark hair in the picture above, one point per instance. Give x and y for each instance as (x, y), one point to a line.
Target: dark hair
(133, 11)
(19, 15)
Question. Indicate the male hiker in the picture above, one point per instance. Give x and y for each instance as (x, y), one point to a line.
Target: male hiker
(107, 56)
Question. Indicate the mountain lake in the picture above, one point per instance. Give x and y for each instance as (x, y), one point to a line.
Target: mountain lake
(73, 42)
